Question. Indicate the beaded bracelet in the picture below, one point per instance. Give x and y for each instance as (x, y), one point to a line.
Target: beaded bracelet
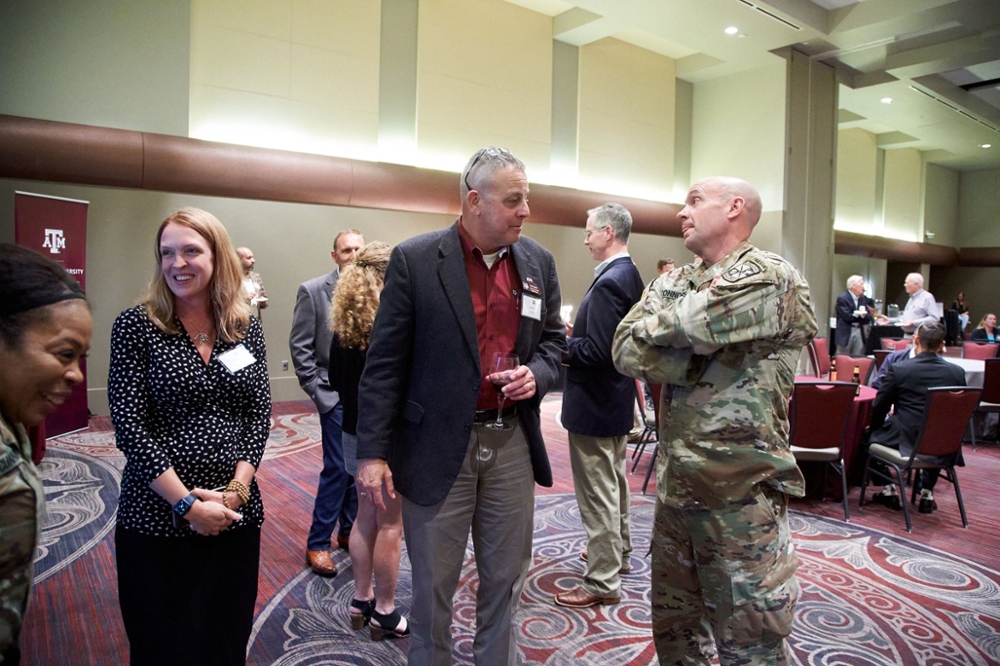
(236, 486)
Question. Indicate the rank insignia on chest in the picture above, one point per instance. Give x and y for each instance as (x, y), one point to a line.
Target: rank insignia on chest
(747, 269)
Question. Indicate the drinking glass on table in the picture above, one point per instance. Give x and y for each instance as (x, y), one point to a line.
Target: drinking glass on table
(502, 366)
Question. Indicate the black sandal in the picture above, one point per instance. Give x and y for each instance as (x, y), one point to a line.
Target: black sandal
(361, 619)
(386, 626)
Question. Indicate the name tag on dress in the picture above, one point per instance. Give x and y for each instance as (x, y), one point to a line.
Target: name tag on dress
(236, 359)
(531, 306)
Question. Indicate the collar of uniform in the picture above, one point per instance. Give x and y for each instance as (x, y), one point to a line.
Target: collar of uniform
(603, 266)
(708, 273)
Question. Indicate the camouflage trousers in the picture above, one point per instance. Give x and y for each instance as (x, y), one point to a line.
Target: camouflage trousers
(723, 573)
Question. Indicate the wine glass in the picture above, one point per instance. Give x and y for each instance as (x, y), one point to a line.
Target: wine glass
(502, 367)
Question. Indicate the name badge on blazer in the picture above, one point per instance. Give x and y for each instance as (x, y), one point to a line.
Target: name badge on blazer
(531, 300)
(237, 358)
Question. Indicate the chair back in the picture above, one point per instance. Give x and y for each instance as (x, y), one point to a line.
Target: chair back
(819, 413)
(946, 414)
(820, 352)
(648, 417)
(880, 355)
(895, 344)
(980, 350)
(846, 365)
(991, 380)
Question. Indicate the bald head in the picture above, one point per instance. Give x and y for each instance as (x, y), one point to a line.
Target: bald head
(246, 258)
(719, 214)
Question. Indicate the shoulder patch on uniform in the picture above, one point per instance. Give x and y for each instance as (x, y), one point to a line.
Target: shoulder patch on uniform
(742, 271)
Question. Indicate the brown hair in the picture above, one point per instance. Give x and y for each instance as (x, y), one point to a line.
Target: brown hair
(356, 297)
(229, 307)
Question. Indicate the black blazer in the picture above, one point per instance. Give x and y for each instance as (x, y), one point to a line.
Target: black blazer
(597, 399)
(979, 335)
(845, 316)
(905, 386)
(418, 393)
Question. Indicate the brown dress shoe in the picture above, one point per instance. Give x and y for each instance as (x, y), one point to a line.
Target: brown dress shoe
(580, 598)
(343, 542)
(626, 565)
(321, 562)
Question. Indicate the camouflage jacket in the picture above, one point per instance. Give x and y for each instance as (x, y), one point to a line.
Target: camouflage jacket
(724, 340)
(22, 505)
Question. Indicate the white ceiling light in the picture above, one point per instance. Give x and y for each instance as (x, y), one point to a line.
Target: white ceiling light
(886, 100)
(986, 145)
(732, 30)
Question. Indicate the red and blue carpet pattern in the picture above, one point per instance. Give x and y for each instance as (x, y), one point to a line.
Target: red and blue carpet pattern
(867, 597)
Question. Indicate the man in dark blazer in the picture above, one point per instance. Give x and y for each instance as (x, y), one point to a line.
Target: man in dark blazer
(853, 317)
(905, 388)
(598, 406)
(309, 340)
(451, 299)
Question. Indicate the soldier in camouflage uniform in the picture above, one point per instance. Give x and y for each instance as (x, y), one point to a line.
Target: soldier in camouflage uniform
(723, 336)
(45, 328)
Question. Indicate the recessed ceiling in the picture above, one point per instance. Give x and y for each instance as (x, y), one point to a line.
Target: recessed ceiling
(919, 52)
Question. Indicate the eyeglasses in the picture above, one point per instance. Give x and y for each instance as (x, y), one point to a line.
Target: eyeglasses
(492, 152)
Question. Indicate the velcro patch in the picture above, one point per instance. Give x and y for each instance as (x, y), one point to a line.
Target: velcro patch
(747, 269)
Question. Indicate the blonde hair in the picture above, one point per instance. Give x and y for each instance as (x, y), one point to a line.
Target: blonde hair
(229, 307)
(356, 297)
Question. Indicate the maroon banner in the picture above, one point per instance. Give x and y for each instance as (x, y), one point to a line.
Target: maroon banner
(57, 228)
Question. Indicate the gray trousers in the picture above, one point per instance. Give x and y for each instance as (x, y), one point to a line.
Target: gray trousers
(494, 497)
(603, 497)
(855, 344)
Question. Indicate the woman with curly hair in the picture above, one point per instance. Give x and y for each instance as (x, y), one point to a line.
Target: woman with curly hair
(376, 539)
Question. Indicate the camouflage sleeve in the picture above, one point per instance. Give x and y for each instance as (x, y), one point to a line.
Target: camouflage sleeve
(754, 300)
(655, 364)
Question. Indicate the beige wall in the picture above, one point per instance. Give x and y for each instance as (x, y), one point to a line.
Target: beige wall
(941, 205)
(856, 182)
(903, 194)
(626, 119)
(299, 74)
(484, 77)
(739, 130)
(112, 63)
(979, 209)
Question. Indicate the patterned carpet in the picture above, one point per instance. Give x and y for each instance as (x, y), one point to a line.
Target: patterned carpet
(867, 597)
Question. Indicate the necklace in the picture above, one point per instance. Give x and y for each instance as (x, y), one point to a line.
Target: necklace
(202, 337)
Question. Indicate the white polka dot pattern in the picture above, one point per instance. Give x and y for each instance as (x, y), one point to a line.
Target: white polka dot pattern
(170, 409)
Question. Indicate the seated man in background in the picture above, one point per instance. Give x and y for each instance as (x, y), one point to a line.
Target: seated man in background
(905, 389)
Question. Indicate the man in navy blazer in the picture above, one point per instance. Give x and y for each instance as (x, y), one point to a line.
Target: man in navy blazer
(451, 299)
(853, 316)
(905, 388)
(598, 404)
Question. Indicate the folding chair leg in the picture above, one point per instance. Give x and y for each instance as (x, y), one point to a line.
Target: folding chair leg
(652, 466)
(843, 487)
(636, 457)
(864, 485)
(972, 429)
(953, 477)
(902, 499)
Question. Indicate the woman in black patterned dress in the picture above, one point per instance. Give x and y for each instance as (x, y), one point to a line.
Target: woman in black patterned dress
(191, 407)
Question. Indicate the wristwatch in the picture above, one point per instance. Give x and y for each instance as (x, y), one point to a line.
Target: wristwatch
(183, 506)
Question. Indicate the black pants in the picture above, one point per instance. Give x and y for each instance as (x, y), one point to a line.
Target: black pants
(188, 600)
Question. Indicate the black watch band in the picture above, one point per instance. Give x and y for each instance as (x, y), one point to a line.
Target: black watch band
(184, 505)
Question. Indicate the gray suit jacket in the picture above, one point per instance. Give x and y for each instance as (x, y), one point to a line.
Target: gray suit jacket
(418, 393)
(310, 337)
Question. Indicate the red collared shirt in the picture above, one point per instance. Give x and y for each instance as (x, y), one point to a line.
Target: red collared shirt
(496, 302)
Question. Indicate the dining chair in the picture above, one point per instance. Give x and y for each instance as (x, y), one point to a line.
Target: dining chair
(846, 365)
(880, 355)
(946, 413)
(818, 422)
(819, 350)
(989, 401)
(893, 344)
(980, 350)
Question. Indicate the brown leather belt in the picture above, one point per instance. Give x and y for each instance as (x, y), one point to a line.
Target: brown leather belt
(490, 415)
